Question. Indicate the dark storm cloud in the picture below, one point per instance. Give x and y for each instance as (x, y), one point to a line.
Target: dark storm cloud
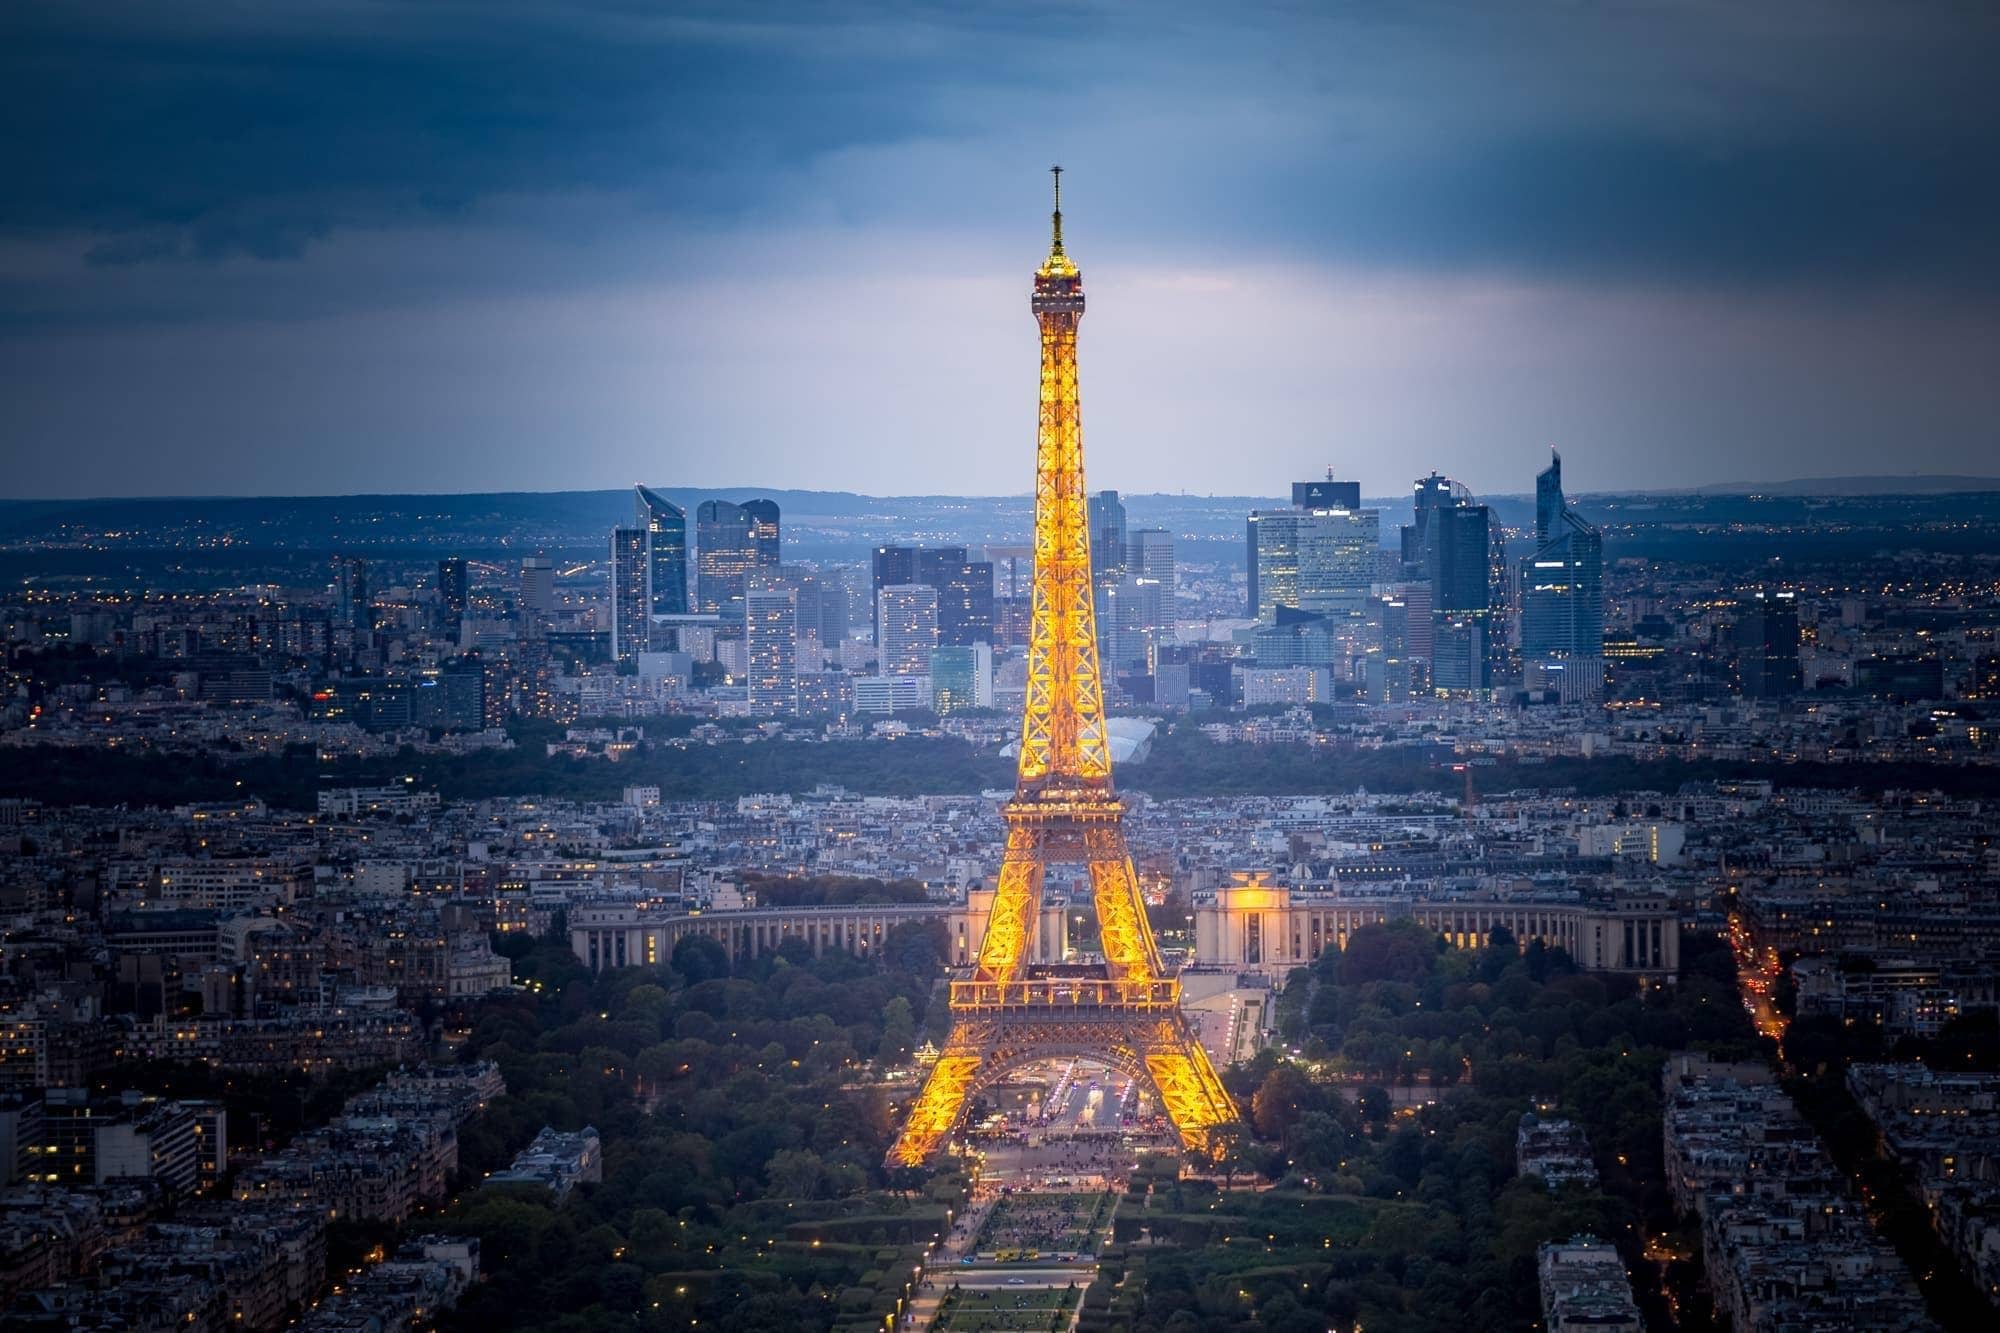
(200, 131)
(1713, 142)
(444, 244)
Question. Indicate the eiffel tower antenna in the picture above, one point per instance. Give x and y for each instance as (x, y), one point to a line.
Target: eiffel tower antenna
(1009, 1013)
(1055, 218)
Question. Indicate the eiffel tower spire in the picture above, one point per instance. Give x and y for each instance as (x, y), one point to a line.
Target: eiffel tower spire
(1008, 1013)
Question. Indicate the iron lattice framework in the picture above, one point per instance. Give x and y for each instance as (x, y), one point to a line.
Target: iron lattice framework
(1008, 1014)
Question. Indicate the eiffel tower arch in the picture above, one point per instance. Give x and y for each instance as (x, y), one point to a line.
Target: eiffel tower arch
(1125, 1012)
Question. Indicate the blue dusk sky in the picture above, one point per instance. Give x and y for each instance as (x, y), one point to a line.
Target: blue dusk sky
(329, 246)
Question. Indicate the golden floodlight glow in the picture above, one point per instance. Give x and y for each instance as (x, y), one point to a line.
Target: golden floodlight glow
(1065, 810)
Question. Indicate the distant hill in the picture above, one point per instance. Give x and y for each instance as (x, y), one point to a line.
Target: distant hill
(813, 519)
(1856, 486)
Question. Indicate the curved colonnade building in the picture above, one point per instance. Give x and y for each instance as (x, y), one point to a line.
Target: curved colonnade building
(1246, 926)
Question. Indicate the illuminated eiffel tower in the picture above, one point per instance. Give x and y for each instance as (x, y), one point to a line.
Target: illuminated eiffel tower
(1127, 1013)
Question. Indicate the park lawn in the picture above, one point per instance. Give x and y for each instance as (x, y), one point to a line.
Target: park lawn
(1056, 1223)
(1016, 1311)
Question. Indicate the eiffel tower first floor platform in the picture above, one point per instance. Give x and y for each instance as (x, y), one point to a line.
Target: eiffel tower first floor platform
(1136, 1028)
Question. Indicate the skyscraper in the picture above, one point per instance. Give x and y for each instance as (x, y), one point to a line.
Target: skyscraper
(451, 594)
(771, 633)
(666, 552)
(1432, 492)
(822, 610)
(1549, 504)
(1105, 513)
(732, 540)
(1107, 536)
(1449, 546)
(961, 677)
(1562, 594)
(964, 588)
(1458, 652)
(1767, 645)
(764, 543)
(629, 626)
(1320, 559)
(1013, 610)
(1150, 555)
(538, 586)
(909, 629)
(893, 566)
(1328, 494)
(352, 607)
(1137, 617)
(965, 598)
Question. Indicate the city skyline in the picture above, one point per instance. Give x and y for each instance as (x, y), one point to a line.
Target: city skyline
(1707, 246)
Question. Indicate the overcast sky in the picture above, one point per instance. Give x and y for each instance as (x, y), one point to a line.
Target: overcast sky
(341, 246)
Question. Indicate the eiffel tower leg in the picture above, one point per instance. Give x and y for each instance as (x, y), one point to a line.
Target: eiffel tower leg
(1003, 952)
(1121, 916)
(1190, 1093)
(942, 1101)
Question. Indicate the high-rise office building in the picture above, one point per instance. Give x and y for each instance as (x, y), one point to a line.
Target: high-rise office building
(822, 611)
(666, 552)
(629, 626)
(723, 555)
(764, 544)
(771, 639)
(1458, 558)
(964, 588)
(1150, 555)
(1549, 503)
(1106, 515)
(538, 586)
(1013, 608)
(961, 677)
(1450, 547)
(1458, 652)
(1338, 559)
(732, 540)
(1432, 492)
(1562, 594)
(909, 629)
(1394, 670)
(451, 696)
(858, 600)
(893, 566)
(452, 594)
(1136, 619)
(1767, 646)
(1319, 559)
(1328, 494)
(352, 607)
(965, 599)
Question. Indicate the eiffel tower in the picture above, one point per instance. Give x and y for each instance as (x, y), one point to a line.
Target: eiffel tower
(1125, 1014)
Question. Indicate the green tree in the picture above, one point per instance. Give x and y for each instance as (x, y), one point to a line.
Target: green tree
(899, 1031)
(700, 959)
(796, 1173)
(1284, 1096)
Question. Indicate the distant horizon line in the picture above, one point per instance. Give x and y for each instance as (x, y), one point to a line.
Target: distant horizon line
(1795, 487)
